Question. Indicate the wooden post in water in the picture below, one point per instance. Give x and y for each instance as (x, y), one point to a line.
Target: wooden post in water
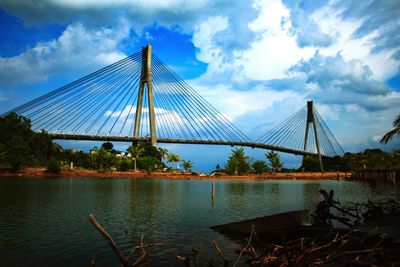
(212, 193)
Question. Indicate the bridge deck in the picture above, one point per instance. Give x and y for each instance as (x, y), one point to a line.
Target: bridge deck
(180, 141)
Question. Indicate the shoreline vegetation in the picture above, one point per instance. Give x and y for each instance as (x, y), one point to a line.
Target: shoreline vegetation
(24, 152)
(79, 173)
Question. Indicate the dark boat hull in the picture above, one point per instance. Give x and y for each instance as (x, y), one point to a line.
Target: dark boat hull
(288, 225)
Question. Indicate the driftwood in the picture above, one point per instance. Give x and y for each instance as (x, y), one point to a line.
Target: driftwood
(350, 249)
(221, 255)
(110, 241)
(124, 260)
(330, 248)
(352, 214)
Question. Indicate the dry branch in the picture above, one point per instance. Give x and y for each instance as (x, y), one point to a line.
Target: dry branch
(109, 239)
(220, 254)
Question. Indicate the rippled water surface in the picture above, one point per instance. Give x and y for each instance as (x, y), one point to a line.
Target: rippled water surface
(43, 222)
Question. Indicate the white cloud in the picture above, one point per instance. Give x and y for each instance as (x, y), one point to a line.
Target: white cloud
(360, 48)
(77, 49)
(268, 57)
(350, 77)
(248, 47)
(234, 103)
(203, 37)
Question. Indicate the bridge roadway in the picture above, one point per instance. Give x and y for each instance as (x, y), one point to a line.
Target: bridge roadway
(179, 141)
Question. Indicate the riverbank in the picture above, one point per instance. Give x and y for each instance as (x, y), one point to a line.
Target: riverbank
(41, 172)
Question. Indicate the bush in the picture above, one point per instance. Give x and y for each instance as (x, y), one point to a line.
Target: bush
(53, 166)
(124, 165)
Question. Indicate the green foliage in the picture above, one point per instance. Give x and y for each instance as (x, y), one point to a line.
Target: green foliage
(53, 166)
(163, 152)
(17, 152)
(108, 146)
(151, 153)
(148, 163)
(123, 165)
(368, 159)
(395, 131)
(187, 165)
(274, 161)
(135, 151)
(217, 168)
(20, 146)
(238, 162)
(371, 159)
(82, 160)
(105, 160)
(259, 166)
(172, 158)
(311, 164)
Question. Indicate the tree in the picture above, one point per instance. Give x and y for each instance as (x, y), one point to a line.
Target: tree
(106, 159)
(395, 131)
(311, 164)
(172, 158)
(163, 153)
(17, 152)
(237, 162)
(15, 140)
(19, 145)
(108, 146)
(136, 151)
(187, 165)
(148, 163)
(123, 165)
(259, 166)
(274, 160)
(42, 148)
(53, 166)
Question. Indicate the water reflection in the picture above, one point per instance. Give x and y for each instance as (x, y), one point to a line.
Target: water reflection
(47, 218)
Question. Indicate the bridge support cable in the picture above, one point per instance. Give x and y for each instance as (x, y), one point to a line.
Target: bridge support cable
(136, 98)
(74, 107)
(199, 117)
(89, 102)
(36, 102)
(305, 130)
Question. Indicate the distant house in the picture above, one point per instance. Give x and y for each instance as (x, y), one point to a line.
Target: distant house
(94, 150)
(120, 154)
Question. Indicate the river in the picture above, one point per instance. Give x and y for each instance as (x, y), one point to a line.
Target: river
(44, 222)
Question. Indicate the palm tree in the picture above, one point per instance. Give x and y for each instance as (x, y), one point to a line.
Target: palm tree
(395, 131)
(163, 152)
(187, 164)
(237, 162)
(274, 161)
(135, 152)
(172, 158)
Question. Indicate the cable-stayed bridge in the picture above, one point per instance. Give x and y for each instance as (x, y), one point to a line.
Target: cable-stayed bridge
(139, 98)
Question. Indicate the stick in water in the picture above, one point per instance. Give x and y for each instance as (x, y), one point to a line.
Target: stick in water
(109, 239)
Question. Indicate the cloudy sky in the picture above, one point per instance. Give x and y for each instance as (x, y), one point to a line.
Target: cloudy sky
(256, 61)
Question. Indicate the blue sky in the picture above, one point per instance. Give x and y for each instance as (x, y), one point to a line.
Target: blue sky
(255, 61)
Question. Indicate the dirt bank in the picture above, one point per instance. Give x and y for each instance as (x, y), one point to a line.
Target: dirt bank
(41, 172)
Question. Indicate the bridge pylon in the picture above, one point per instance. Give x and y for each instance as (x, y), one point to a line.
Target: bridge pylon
(311, 121)
(146, 79)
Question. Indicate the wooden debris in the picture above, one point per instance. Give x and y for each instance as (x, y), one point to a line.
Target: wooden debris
(221, 255)
(109, 239)
(353, 248)
(329, 248)
(352, 214)
(124, 260)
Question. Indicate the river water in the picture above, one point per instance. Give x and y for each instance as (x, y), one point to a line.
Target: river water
(44, 222)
